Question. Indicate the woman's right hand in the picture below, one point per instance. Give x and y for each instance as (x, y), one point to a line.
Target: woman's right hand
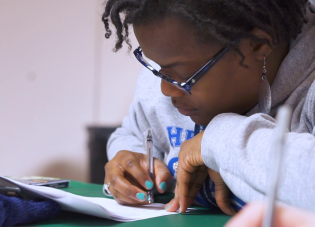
(129, 179)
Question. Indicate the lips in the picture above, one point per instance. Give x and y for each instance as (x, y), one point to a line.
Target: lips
(187, 112)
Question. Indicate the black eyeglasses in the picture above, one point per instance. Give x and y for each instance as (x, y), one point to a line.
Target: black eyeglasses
(184, 86)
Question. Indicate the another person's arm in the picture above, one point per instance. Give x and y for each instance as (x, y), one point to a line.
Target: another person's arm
(253, 214)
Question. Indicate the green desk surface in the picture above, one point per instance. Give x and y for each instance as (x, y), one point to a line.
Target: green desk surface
(202, 217)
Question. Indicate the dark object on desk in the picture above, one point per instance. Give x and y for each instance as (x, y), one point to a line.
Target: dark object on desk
(14, 210)
(98, 137)
(43, 181)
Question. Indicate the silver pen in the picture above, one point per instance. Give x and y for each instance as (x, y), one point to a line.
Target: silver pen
(283, 121)
(148, 146)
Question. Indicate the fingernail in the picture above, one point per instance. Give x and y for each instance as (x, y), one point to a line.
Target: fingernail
(140, 196)
(149, 184)
(167, 207)
(163, 186)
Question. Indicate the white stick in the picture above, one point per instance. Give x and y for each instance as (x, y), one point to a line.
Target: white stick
(276, 153)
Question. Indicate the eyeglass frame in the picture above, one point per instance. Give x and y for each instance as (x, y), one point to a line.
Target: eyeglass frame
(187, 85)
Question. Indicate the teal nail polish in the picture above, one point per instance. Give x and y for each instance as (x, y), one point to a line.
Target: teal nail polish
(167, 207)
(163, 186)
(149, 184)
(140, 196)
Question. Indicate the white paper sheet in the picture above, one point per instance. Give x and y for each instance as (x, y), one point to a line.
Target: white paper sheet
(95, 206)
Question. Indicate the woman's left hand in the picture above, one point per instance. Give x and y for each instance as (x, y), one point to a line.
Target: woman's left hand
(191, 173)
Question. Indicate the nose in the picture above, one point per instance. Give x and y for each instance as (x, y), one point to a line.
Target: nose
(171, 90)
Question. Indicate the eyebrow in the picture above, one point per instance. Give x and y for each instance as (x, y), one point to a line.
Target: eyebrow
(170, 65)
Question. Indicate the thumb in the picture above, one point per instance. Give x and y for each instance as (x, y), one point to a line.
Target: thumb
(162, 175)
(222, 192)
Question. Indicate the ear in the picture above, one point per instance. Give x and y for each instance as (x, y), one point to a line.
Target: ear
(260, 50)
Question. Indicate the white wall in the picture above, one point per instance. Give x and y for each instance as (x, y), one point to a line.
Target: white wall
(57, 75)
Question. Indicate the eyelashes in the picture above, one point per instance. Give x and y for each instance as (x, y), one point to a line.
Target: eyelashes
(166, 74)
(173, 76)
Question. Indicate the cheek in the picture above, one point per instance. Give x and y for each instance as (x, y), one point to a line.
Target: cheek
(213, 91)
(233, 89)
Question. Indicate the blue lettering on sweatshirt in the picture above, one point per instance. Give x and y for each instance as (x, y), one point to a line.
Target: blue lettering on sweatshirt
(178, 135)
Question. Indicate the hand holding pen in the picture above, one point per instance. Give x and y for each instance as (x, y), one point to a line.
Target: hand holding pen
(127, 178)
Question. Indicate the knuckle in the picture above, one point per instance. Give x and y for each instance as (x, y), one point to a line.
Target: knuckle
(111, 165)
(123, 154)
(221, 186)
(183, 157)
(165, 174)
(130, 163)
(114, 180)
(138, 155)
(194, 185)
(120, 153)
(141, 175)
(185, 146)
(128, 191)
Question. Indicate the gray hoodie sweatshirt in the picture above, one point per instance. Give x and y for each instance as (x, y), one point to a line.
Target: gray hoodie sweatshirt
(238, 146)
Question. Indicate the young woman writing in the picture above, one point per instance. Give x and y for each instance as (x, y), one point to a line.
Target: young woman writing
(208, 100)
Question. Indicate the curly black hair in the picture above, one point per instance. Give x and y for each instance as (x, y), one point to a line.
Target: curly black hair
(224, 20)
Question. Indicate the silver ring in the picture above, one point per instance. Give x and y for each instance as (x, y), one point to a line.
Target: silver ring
(105, 189)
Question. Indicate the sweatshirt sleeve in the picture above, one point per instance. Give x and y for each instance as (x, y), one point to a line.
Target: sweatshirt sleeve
(239, 148)
(127, 137)
(130, 135)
